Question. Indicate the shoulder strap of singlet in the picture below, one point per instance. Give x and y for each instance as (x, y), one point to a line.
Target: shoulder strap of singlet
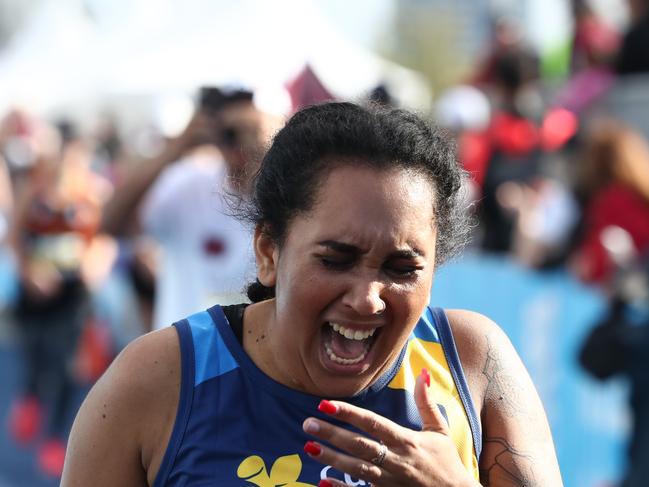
(187, 365)
(204, 355)
(455, 366)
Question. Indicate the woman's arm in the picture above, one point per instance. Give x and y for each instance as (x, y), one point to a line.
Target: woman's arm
(517, 443)
(122, 429)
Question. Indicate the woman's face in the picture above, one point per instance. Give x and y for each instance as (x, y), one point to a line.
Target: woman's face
(352, 278)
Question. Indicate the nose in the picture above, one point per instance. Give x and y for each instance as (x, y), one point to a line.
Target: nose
(364, 297)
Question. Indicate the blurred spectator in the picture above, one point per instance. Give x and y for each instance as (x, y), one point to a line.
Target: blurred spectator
(108, 147)
(619, 346)
(60, 257)
(594, 49)
(179, 198)
(466, 111)
(126, 301)
(462, 109)
(15, 155)
(634, 54)
(510, 136)
(506, 39)
(614, 192)
(508, 161)
(595, 42)
(20, 139)
(6, 199)
(546, 214)
(6, 261)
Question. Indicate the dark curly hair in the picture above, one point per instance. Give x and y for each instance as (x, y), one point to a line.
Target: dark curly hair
(320, 138)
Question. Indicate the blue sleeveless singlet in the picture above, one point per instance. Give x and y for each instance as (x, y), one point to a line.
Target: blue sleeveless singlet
(235, 426)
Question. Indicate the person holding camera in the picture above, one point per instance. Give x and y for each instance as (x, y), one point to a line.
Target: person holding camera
(178, 198)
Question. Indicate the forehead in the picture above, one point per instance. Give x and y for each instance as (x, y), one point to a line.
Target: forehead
(395, 188)
(362, 204)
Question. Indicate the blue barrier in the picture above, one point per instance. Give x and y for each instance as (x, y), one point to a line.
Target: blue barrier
(546, 315)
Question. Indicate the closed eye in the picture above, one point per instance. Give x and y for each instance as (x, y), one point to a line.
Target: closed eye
(403, 271)
(336, 264)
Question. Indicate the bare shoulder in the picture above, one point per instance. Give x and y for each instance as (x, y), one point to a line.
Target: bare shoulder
(472, 328)
(474, 334)
(148, 366)
(125, 422)
(517, 442)
(489, 359)
(146, 373)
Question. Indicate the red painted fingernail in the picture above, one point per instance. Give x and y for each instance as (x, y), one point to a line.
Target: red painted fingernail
(426, 375)
(327, 407)
(312, 448)
(325, 483)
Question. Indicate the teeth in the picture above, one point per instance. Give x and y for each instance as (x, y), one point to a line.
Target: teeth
(352, 334)
(344, 361)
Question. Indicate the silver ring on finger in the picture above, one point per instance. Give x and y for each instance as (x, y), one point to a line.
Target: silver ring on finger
(380, 457)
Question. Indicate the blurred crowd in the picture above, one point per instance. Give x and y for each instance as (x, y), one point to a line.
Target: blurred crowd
(104, 237)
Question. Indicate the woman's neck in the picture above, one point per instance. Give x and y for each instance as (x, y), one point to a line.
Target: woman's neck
(258, 344)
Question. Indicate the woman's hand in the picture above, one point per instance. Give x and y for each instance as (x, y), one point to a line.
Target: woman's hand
(390, 455)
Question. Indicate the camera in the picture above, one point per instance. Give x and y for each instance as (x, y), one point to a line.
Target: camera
(228, 137)
(213, 99)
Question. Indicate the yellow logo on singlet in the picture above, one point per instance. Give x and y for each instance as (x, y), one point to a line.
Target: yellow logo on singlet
(285, 471)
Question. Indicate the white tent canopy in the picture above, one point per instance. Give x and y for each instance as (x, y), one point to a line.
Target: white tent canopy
(160, 47)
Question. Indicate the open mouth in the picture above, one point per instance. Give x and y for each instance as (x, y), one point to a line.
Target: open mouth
(347, 346)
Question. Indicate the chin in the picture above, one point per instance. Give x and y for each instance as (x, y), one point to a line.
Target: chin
(340, 389)
(344, 380)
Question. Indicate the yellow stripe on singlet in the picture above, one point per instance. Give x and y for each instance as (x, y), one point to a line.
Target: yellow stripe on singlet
(430, 355)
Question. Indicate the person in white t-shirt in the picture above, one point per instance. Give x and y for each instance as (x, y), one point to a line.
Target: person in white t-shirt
(180, 199)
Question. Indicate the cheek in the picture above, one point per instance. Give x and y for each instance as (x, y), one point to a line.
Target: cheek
(321, 288)
(303, 290)
(410, 300)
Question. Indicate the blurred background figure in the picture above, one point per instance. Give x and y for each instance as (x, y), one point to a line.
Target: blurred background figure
(523, 192)
(6, 213)
(612, 250)
(60, 256)
(6, 199)
(592, 63)
(180, 198)
(613, 189)
(618, 345)
(596, 42)
(633, 57)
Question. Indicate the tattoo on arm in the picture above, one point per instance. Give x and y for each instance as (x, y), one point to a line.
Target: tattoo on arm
(506, 465)
(500, 386)
(509, 465)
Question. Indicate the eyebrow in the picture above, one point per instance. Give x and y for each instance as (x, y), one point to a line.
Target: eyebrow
(345, 248)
